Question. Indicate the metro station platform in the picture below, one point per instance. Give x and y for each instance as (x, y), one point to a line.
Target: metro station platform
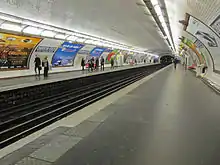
(26, 81)
(169, 118)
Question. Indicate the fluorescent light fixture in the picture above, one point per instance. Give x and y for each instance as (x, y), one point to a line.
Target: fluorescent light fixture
(61, 31)
(61, 36)
(107, 45)
(154, 2)
(12, 27)
(89, 41)
(99, 43)
(165, 37)
(31, 23)
(32, 30)
(158, 10)
(80, 35)
(72, 38)
(80, 40)
(10, 18)
(161, 18)
(14, 23)
(47, 27)
(89, 37)
(48, 33)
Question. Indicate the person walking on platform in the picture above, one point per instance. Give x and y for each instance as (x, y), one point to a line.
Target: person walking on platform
(37, 62)
(112, 63)
(102, 64)
(175, 61)
(45, 64)
(92, 64)
(97, 63)
(83, 64)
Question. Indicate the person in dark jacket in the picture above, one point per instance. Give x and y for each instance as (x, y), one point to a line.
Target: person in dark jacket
(175, 61)
(97, 64)
(92, 64)
(112, 63)
(83, 64)
(102, 63)
(45, 64)
(37, 67)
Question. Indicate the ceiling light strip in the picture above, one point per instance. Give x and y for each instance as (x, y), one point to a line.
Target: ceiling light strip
(163, 23)
(14, 23)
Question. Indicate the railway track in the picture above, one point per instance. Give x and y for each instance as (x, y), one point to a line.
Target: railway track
(19, 121)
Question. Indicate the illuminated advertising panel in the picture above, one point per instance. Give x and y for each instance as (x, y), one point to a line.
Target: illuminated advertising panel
(106, 53)
(46, 48)
(111, 55)
(65, 54)
(207, 36)
(83, 53)
(97, 52)
(15, 50)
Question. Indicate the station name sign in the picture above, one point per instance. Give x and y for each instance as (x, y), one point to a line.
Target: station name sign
(46, 49)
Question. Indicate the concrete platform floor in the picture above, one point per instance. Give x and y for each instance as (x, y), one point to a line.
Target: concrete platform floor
(173, 119)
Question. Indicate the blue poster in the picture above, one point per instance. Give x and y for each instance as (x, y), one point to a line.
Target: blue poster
(108, 50)
(97, 52)
(65, 55)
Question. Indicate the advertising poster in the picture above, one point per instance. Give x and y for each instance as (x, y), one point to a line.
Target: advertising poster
(111, 55)
(15, 50)
(204, 53)
(119, 58)
(106, 53)
(97, 52)
(192, 46)
(83, 53)
(207, 36)
(46, 48)
(65, 54)
(125, 55)
(129, 58)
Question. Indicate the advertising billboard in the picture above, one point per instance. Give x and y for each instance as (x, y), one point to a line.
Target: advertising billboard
(193, 47)
(111, 55)
(97, 52)
(65, 54)
(15, 50)
(106, 53)
(83, 53)
(207, 36)
(46, 48)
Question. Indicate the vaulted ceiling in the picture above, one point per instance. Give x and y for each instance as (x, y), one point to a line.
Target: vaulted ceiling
(126, 21)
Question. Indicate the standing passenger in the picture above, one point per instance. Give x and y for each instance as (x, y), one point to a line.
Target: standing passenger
(112, 63)
(37, 62)
(97, 63)
(45, 64)
(83, 64)
(92, 64)
(102, 63)
(175, 62)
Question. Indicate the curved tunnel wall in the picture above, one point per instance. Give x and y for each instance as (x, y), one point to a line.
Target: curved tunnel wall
(207, 42)
(17, 54)
(207, 36)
